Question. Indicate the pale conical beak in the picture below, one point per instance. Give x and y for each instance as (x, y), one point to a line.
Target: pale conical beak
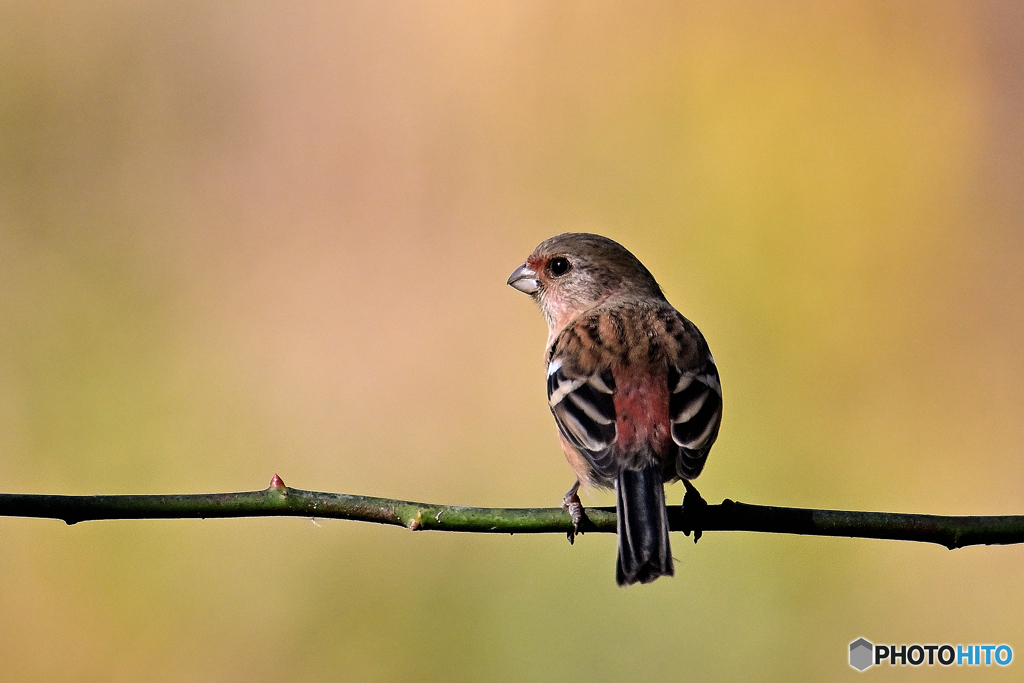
(524, 279)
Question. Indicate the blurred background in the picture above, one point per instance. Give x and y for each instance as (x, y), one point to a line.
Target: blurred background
(246, 238)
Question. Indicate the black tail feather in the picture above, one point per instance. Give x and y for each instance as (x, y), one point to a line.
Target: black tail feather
(642, 521)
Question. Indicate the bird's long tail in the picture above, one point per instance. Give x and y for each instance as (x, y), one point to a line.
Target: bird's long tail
(642, 521)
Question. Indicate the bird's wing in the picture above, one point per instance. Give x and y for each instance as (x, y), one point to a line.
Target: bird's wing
(584, 410)
(695, 409)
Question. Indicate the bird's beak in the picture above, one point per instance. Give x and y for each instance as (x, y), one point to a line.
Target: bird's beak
(524, 279)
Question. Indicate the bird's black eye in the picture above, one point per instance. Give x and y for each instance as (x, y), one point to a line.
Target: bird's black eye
(559, 266)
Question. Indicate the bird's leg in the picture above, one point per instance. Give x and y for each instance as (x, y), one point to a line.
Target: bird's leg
(572, 504)
(693, 511)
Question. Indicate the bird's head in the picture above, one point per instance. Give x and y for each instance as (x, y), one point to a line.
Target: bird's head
(572, 273)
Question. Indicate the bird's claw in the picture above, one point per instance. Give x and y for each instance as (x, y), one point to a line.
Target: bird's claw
(693, 511)
(574, 506)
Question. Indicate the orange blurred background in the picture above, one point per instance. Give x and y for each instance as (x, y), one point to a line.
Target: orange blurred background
(246, 238)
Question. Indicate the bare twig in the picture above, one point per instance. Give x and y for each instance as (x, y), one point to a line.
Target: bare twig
(280, 500)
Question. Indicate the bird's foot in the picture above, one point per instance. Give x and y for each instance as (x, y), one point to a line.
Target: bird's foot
(693, 511)
(572, 504)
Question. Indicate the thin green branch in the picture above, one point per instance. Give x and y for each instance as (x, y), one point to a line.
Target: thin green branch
(279, 500)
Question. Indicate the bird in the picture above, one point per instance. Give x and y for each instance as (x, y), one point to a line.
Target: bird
(632, 385)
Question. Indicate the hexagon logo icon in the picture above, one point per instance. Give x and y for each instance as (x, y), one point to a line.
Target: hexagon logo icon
(861, 654)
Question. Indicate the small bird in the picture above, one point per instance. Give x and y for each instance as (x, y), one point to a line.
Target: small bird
(631, 383)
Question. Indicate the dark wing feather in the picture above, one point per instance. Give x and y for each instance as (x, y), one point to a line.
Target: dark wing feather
(695, 408)
(584, 411)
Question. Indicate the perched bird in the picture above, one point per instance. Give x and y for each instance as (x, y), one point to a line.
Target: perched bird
(631, 383)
